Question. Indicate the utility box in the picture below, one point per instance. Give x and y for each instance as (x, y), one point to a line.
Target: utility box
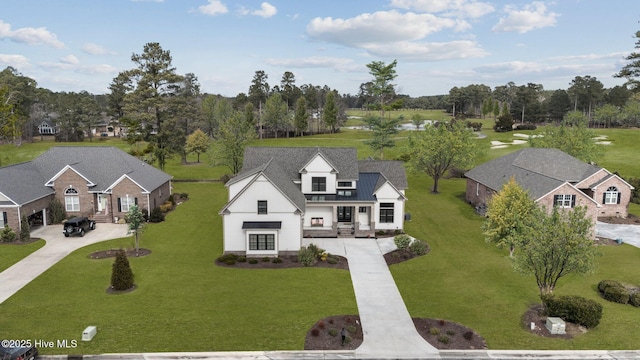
(89, 333)
(555, 325)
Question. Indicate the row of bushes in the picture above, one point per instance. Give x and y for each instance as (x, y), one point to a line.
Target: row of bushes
(572, 308)
(417, 247)
(232, 259)
(616, 292)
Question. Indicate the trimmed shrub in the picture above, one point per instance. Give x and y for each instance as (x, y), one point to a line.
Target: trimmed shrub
(321, 324)
(607, 283)
(333, 332)
(172, 200)
(434, 331)
(266, 259)
(634, 299)
(347, 340)
(242, 259)
(166, 207)
(7, 235)
(253, 261)
(618, 294)
(330, 321)
(156, 215)
(450, 332)
(468, 335)
(317, 252)
(332, 261)
(443, 339)
(307, 256)
(402, 241)
(121, 274)
(25, 230)
(351, 329)
(184, 196)
(441, 322)
(572, 308)
(526, 127)
(418, 247)
(276, 260)
(226, 257)
(315, 332)
(230, 262)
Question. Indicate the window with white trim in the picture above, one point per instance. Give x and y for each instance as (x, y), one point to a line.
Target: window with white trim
(564, 201)
(262, 242)
(3, 220)
(71, 200)
(125, 203)
(611, 196)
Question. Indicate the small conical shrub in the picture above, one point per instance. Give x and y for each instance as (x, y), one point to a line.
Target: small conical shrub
(121, 274)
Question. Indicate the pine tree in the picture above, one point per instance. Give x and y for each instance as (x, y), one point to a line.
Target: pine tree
(121, 274)
(25, 231)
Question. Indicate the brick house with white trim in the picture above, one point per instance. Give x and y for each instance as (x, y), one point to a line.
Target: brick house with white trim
(552, 178)
(95, 181)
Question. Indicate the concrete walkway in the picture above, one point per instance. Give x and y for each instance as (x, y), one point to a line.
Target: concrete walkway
(629, 234)
(57, 247)
(386, 324)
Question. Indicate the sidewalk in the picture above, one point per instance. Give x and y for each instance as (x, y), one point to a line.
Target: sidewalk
(57, 247)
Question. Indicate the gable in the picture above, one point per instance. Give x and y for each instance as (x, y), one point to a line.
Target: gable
(260, 188)
(582, 199)
(388, 191)
(594, 178)
(68, 172)
(125, 181)
(318, 164)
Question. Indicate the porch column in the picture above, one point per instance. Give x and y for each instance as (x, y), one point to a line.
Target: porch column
(334, 223)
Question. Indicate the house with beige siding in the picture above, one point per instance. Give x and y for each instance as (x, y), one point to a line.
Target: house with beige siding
(95, 181)
(552, 178)
(284, 194)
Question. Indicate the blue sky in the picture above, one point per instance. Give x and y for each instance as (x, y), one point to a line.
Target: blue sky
(75, 45)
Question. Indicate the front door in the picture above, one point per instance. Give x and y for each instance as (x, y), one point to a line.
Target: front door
(344, 214)
(102, 202)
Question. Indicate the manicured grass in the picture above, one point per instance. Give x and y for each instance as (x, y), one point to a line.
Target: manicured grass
(11, 253)
(405, 114)
(468, 281)
(183, 302)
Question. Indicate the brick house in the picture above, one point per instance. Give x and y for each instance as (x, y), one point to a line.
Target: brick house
(98, 182)
(552, 178)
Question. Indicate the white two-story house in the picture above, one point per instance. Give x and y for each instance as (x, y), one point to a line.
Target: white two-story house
(284, 194)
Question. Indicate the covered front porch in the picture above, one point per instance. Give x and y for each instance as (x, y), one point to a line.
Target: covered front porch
(339, 220)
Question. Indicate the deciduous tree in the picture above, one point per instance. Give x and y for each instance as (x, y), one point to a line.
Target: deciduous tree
(135, 222)
(228, 148)
(275, 113)
(558, 244)
(509, 215)
(440, 148)
(197, 142)
(301, 117)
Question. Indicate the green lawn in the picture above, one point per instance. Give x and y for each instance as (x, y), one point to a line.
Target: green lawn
(11, 254)
(185, 303)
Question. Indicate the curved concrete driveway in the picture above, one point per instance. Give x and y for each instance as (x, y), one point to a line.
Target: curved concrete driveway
(629, 234)
(56, 248)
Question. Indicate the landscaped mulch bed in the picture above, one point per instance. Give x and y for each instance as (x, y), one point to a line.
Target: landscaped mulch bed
(290, 261)
(629, 220)
(535, 315)
(400, 255)
(20, 242)
(111, 253)
(320, 337)
(443, 334)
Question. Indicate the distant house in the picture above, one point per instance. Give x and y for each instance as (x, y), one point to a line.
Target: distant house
(93, 181)
(47, 127)
(284, 194)
(552, 178)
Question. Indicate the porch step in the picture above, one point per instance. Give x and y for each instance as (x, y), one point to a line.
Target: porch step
(101, 218)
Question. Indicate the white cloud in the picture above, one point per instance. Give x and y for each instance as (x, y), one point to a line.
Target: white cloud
(95, 49)
(380, 27)
(214, 7)
(266, 10)
(70, 59)
(338, 64)
(30, 35)
(17, 61)
(425, 51)
(457, 8)
(532, 16)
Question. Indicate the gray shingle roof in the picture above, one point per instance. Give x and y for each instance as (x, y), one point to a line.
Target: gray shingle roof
(536, 170)
(23, 183)
(393, 170)
(101, 165)
(293, 159)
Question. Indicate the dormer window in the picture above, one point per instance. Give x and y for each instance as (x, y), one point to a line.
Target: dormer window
(345, 184)
(319, 184)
